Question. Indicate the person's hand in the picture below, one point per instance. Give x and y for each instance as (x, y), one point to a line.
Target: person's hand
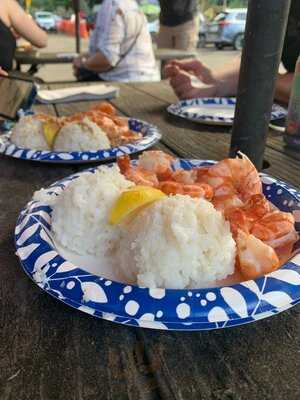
(191, 79)
(2, 72)
(193, 67)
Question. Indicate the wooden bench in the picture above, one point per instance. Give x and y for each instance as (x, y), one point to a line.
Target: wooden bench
(35, 58)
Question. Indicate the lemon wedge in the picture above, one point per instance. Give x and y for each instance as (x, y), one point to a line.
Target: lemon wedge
(131, 200)
(50, 129)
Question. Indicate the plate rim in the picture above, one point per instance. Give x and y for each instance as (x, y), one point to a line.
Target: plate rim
(177, 110)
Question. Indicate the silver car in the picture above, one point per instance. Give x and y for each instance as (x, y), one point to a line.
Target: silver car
(227, 29)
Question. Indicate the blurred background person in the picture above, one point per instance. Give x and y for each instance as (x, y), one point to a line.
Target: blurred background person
(14, 22)
(178, 24)
(120, 46)
(191, 78)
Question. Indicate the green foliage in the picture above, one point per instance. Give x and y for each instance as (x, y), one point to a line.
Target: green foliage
(50, 5)
(219, 3)
(237, 3)
(53, 5)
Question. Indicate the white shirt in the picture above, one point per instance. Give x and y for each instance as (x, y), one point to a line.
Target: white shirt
(119, 23)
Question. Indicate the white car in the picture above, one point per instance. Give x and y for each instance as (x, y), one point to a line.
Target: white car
(46, 20)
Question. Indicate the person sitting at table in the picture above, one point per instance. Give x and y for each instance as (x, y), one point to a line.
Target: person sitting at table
(178, 26)
(15, 22)
(223, 81)
(120, 46)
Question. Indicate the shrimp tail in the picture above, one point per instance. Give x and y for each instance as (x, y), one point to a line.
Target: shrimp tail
(123, 163)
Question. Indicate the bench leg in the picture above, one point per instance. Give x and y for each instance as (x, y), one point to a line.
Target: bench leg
(33, 69)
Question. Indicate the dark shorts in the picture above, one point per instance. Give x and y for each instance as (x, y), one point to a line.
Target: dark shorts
(85, 75)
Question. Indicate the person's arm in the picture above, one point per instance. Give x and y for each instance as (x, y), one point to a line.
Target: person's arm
(2, 72)
(109, 45)
(97, 63)
(25, 26)
(283, 87)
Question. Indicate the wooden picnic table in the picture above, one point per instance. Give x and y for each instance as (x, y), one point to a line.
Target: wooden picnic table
(51, 351)
(37, 58)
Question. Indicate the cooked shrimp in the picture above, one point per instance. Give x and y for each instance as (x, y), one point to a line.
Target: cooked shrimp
(258, 217)
(142, 177)
(105, 107)
(238, 220)
(158, 162)
(201, 190)
(260, 232)
(47, 118)
(107, 124)
(243, 217)
(276, 228)
(256, 207)
(124, 164)
(138, 175)
(254, 257)
(187, 177)
(104, 115)
(234, 181)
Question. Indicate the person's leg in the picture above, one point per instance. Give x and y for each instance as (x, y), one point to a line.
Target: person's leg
(165, 37)
(187, 36)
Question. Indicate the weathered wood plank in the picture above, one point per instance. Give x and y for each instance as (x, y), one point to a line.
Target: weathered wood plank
(228, 364)
(160, 90)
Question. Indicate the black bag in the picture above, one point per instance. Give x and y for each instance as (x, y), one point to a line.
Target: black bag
(16, 94)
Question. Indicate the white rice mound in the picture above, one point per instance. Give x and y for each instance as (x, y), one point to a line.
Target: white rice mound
(81, 136)
(80, 214)
(177, 242)
(28, 133)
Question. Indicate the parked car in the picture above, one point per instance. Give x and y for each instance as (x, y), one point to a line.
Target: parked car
(46, 20)
(227, 29)
(202, 30)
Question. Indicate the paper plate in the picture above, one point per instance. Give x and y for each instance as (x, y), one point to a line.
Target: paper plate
(151, 135)
(197, 309)
(214, 111)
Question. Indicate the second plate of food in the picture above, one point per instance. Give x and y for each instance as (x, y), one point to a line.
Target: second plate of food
(163, 255)
(214, 110)
(93, 136)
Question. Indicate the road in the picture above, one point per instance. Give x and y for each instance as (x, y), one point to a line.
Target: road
(63, 43)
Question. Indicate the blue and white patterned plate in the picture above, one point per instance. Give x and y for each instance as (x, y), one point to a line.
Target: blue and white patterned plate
(197, 309)
(214, 110)
(151, 135)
